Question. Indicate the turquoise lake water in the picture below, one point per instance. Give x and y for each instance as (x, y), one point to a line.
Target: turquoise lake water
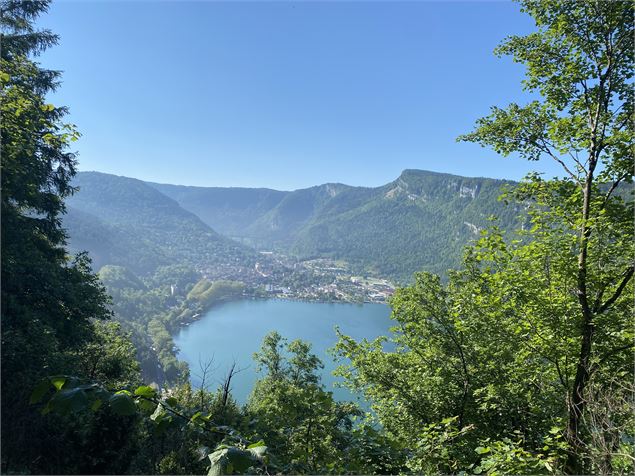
(234, 331)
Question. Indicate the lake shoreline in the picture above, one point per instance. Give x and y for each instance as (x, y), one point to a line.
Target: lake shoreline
(227, 299)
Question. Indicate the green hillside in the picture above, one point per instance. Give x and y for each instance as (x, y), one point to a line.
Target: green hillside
(124, 221)
(422, 220)
(109, 244)
(279, 227)
(227, 210)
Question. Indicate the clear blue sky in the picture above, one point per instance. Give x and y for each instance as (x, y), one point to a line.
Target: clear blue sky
(284, 95)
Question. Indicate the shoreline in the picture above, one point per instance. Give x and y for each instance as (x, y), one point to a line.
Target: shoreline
(227, 299)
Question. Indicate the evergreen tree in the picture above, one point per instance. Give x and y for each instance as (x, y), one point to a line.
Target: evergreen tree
(49, 301)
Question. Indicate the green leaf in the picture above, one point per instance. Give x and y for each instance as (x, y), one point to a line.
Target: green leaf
(256, 445)
(196, 416)
(216, 469)
(218, 462)
(158, 414)
(145, 391)
(122, 404)
(162, 424)
(258, 452)
(147, 406)
(58, 382)
(231, 459)
(202, 452)
(65, 401)
(480, 450)
(241, 460)
(171, 401)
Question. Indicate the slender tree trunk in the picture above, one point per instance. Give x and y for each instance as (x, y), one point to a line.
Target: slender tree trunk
(576, 398)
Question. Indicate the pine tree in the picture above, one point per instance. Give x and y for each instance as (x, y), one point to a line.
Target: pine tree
(48, 300)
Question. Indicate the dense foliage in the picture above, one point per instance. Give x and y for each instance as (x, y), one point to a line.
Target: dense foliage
(52, 305)
(530, 345)
(126, 222)
(305, 429)
(580, 62)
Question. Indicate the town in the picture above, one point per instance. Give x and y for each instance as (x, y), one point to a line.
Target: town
(280, 276)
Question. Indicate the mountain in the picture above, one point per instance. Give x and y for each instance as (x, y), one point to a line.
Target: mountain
(228, 209)
(124, 221)
(421, 220)
(111, 244)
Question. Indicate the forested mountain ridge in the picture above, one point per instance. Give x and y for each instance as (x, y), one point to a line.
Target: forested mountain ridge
(227, 209)
(124, 221)
(421, 220)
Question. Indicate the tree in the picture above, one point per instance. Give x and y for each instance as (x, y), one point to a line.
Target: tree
(514, 344)
(580, 61)
(49, 301)
(303, 425)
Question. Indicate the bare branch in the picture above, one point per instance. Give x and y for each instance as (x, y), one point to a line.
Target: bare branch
(546, 149)
(613, 187)
(626, 277)
(227, 381)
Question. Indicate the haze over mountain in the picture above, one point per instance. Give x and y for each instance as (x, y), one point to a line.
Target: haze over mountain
(124, 221)
(420, 221)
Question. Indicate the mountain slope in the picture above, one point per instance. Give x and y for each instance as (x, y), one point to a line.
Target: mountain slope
(110, 244)
(421, 220)
(124, 221)
(227, 210)
(279, 226)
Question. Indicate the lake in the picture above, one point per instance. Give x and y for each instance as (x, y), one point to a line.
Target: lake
(234, 331)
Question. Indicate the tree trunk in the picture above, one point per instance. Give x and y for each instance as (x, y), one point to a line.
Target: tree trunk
(576, 402)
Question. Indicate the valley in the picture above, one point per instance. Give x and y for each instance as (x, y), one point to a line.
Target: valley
(420, 221)
(167, 253)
